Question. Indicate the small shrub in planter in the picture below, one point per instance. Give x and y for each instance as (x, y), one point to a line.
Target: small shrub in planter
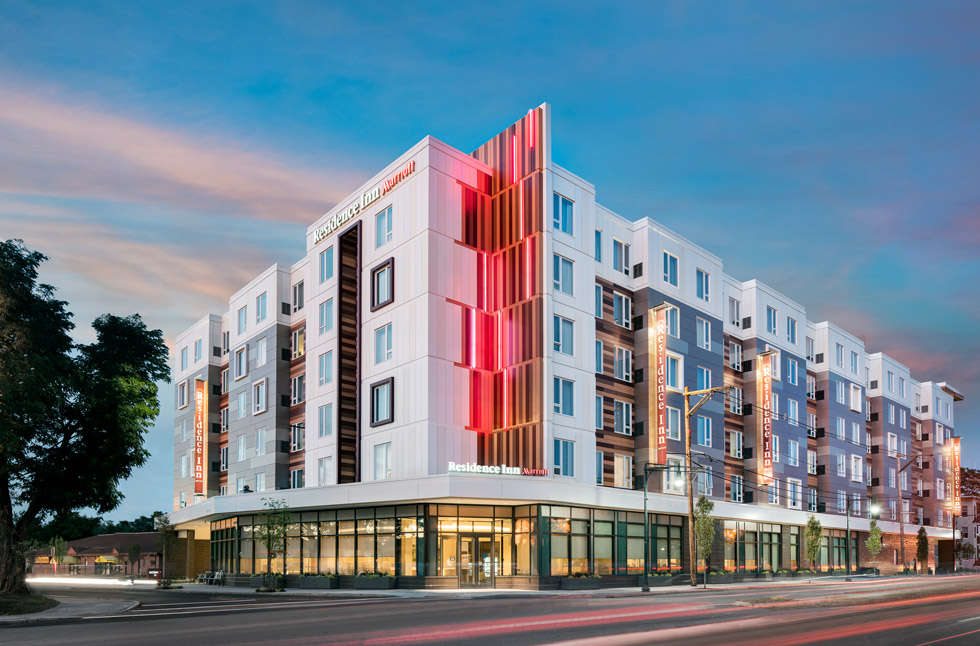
(318, 581)
(374, 581)
(719, 576)
(581, 581)
(259, 581)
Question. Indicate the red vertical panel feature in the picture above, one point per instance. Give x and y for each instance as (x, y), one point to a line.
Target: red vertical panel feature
(765, 418)
(659, 382)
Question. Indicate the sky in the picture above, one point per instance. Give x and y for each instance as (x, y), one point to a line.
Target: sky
(163, 154)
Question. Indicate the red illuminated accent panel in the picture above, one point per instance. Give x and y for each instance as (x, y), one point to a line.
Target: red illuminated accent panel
(200, 435)
(659, 383)
(765, 418)
(956, 475)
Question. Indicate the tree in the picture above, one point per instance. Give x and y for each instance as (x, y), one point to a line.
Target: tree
(72, 416)
(873, 544)
(813, 535)
(922, 548)
(964, 550)
(272, 533)
(69, 525)
(133, 556)
(704, 531)
(59, 550)
(168, 545)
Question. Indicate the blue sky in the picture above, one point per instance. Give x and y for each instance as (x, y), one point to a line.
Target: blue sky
(164, 153)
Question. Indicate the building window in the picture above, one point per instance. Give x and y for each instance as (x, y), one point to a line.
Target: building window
(737, 488)
(598, 246)
(857, 468)
(240, 485)
(225, 342)
(673, 476)
(811, 462)
(297, 389)
(562, 270)
(297, 437)
(624, 471)
(704, 333)
(622, 310)
(562, 214)
(793, 412)
(564, 335)
(242, 320)
(224, 419)
(841, 466)
(224, 381)
(841, 398)
(792, 371)
(261, 352)
(564, 396)
(598, 467)
(791, 330)
(598, 412)
(704, 284)
(198, 349)
(182, 399)
(184, 462)
(811, 387)
(855, 433)
(811, 424)
(383, 402)
(323, 468)
(810, 352)
(326, 265)
(382, 227)
(598, 357)
(260, 402)
(670, 269)
(839, 355)
(621, 257)
(298, 343)
(854, 362)
(673, 372)
(793, 453)
(704, 431)
(224, 458)
(857, 398)
(325, 420)
(704, 378)
(771, 322)
(382, 461)
(704, 480)
(735, 401)
(811, 500)
(734, 312)
(598, 301)
(260, 439)
(794, 493)
(623, 417)
(901, 386)
(241, 448)
(242, 404)
(673, 316)
(735, 356)
(841, 501)
(298, 299)
(891, 413)
(774, 493)
(856, 504)
(902, 418)
(564, 458)
(325, 368)
(775, 448)
(183, 499)
(326, 316)
(241, 362)
(736, 443)
(623, 367)
(673, 423)
(892, 444)
(260, 307)
(382, 284)
(382, 344)
(297, 478)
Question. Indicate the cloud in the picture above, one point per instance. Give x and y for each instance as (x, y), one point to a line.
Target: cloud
(55, 146)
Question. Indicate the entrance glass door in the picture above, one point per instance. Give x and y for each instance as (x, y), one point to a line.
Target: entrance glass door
(477, 562)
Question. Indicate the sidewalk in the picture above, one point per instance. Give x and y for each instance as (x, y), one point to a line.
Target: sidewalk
(69, 610)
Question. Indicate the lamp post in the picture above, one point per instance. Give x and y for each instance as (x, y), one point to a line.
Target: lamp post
(901, 508)
(647, 469)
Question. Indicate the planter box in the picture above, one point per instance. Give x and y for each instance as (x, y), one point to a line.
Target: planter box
(660, 581)
(720, 578)
(257, 581)
(376, 583)
(318, 582)
(764, 576)
(580, 583)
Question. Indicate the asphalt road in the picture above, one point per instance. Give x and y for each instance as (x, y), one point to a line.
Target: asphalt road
(949, 615)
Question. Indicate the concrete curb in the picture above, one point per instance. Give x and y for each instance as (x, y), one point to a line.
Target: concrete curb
(65, 612)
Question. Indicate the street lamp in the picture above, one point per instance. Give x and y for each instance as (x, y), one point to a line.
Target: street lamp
(678, 481)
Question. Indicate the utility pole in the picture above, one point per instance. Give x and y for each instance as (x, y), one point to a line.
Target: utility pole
(901, 507)
(705, 395)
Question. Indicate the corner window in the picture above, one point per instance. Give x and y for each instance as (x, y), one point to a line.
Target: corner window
(298, 343)
(382, 344)
(260, 307)
(382, 461)
(298, 300)
(564, 458)
(563, 274)
(670, 269)
(562, 219)
(297, 390)
(736, 444)
(382, 222)
(564, 396)
(383, 402)
(297, 437)
(383, 284)
(326, 265)
(704, 285)
(772, 326)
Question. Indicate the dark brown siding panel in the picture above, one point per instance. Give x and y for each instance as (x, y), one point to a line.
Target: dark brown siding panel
(349, 350)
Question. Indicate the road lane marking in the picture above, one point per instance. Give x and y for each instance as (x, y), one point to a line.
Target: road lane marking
(942, 639)
(968, 619)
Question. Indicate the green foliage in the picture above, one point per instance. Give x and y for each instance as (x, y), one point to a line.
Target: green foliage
(969, 481)
(813, 533)
(271, 531)
(168, 546)
(59, 549)
(873, 544)
(72, 416)
(922, 548)
(704, 527)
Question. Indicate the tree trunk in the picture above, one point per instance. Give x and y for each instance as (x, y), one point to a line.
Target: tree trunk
(12, 572)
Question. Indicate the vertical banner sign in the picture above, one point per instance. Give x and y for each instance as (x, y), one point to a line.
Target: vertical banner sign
(200, 434)
(765, 417)
(658, 385)
(956, 476)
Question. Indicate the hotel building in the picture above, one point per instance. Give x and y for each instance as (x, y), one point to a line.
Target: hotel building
(461, 381)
